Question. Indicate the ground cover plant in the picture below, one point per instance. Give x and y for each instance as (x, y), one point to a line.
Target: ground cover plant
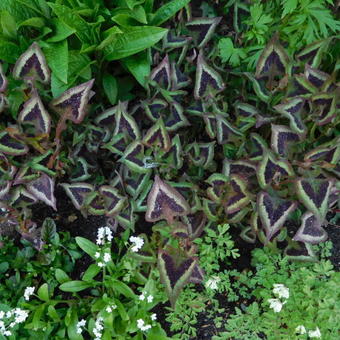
(148, 166)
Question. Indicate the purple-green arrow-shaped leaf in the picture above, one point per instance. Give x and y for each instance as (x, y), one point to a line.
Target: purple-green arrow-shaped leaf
(78, 192)
(113, 201)
(281, 138)
(11, 146)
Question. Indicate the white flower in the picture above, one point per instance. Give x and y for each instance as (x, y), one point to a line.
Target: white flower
(315, 334)
(153, 316)
(141, 325)
(150, 298)
(108, 309)
(97, 255)
(7, 333)
(142, 297)
(28, 292)
(107, 257)
(212, 283)
(100, 264)
(281, 291)
(80, 325)
(98, 327)
(2, 314)
(20, 315)
(276, 304)
(8, 314)
(300, 329)
(102, 232)
(138, 243)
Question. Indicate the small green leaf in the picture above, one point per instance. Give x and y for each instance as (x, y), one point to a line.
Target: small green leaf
(43, 292)
(33, 22)
(139, 66)
(61, 276)
(91, 272)
(75, 286)
(61, 31)
(8, 25)
(9, 51)
(133, 40)
(110, 88)
(123, 289)
(167, 11)
(89, 247)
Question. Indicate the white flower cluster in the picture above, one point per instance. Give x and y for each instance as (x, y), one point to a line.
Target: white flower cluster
(142, 326)
(109, 309)
(28, 292)
(212, 282)
(80, 325)
(98, 328)
(282, 292)
(301, 329)
(104, 235)
(137, 243)
(11, 318)
(104, 260)
(142, 297)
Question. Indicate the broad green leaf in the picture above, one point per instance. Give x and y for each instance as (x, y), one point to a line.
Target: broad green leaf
(9, 51)
(109, 37)
(61, 276)
(33, 22)
(75, 286)
(139, 66)
(20, 9)
(110, 88)
(91, 272)
(133, 40)
(123, 289)
(61, 31)
(89, 247)
(8, 25)
(57, 58)
(43, 292)
(167, 11)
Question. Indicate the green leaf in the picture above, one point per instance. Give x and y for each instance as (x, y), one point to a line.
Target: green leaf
(167, 11)
(61, 276)
(133, 40)
(33, 22)
(43, 292)
(75, 286)
(228, 52)
(61, 31)
(9, 51)
(288, 7)
(139, 66)
(91, 272)
(123, 289)
(57, 58)
(110, 88)
(89, 247)
(8, 25)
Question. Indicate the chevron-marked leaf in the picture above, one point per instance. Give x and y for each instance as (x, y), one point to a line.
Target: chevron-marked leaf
(78, 192)
(300, 251)
(43, 189)
(24, 175)
(73, 102)
(154, 108)
(171, 40)
(113, 201)
(270, 169)
(81, 170)
(3, 80)
(34, 113)
(195, 223)
(180, 230)
(11, 146)
(238, 216)
(203, 29)
(281, 139)
(259, 86)
(293, 110)
(175, 273)
(246, 114)
(197, 275)
(136, 183)
(314, 194)
(157, 136)
(257, 147)
(197, 108)
(161, 73)
(165, 202)
(201, 154)
(273, 212)
(218, 186)
(311, 230)
(324, 108)
(95, 204)
(208, 81)
(174, 157)
(125, 123)
(328, 154)
(176, 119)
(117, 144)
(299, 86)
(248, 235)
(178, 78)
(134, 156)
(210, 209)
(142, 200)
(273, 60)
(21, 196)
(315, 76)
(225, 131)
(32, 63)
(312, 53)
(241, 167)
(108, 117)
(237, 195)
